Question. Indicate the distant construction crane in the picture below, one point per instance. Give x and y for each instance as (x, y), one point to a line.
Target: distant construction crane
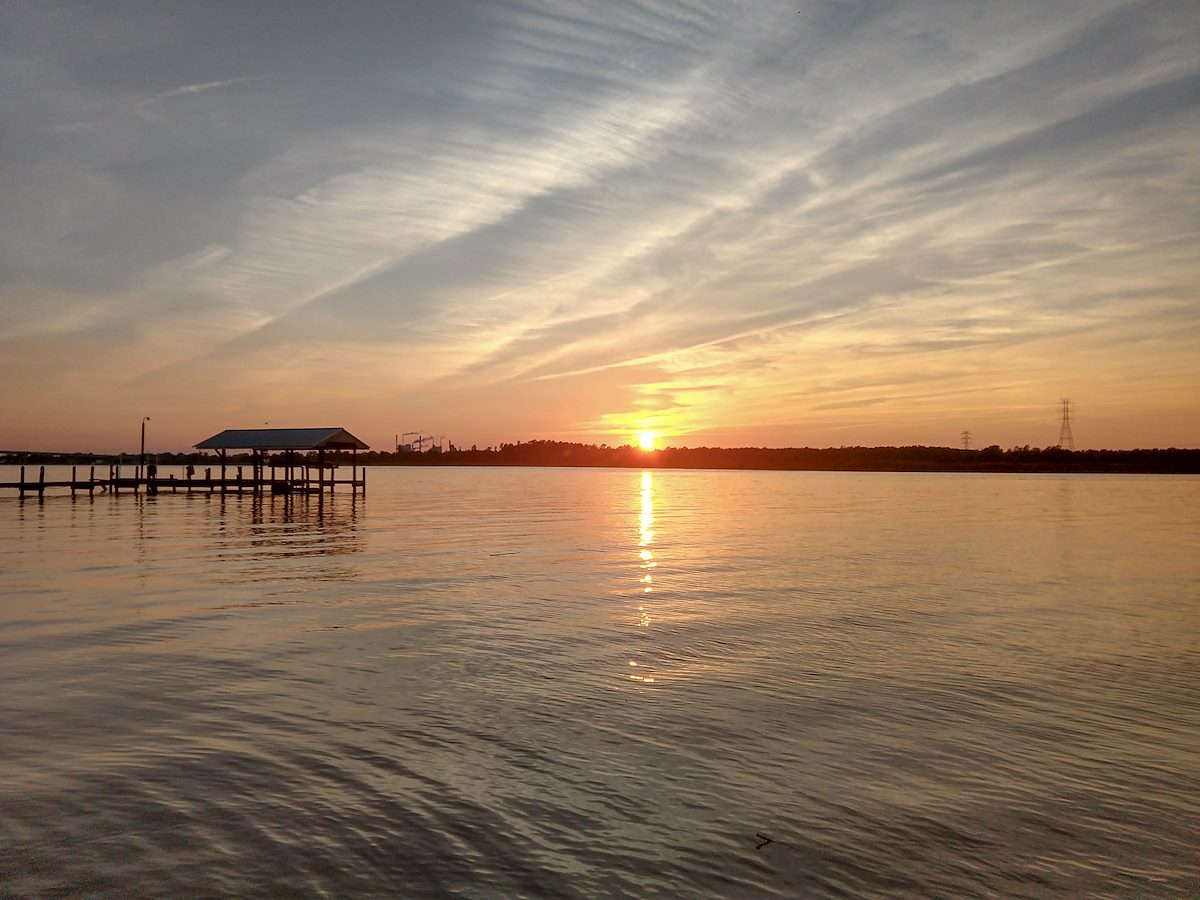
(1066, 440)
(966, 439)
(419, 442)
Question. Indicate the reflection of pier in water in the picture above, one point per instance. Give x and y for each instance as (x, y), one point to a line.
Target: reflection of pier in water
(316, 531)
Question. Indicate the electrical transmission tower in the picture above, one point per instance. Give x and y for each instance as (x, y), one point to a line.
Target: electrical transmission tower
(966, 438)
(1065, 439)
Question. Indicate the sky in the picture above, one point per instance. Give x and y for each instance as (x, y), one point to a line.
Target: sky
(827, 223)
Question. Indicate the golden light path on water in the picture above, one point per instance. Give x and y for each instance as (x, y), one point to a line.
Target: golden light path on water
(646, 564)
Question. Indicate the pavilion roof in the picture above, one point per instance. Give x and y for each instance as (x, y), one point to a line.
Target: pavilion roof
(283, 439)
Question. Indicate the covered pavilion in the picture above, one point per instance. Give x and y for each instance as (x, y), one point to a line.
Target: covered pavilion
(289, 441)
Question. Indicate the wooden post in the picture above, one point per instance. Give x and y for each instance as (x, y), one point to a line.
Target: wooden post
(353, 469)
(92, 481)
(208, 478)
(41, 482)
(72, 481)
(364, 481)
(222, 471)
(22, 488)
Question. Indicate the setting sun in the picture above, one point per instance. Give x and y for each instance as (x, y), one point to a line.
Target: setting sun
(646, 439)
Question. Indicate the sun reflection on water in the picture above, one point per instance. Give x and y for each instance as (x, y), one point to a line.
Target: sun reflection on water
(646, 580)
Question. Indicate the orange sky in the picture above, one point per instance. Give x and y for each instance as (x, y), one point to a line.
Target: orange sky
(860, 224)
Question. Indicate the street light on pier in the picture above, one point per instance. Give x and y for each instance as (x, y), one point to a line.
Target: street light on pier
(142, 456)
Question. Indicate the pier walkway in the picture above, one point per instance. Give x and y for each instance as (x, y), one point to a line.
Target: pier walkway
(273, 480)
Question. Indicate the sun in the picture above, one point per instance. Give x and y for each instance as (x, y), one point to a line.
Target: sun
(646, 439)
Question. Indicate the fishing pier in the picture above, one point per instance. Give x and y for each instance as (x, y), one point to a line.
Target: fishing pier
(299, 466)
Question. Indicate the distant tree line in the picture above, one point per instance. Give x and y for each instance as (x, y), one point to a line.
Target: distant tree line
(837, 459)
(842, 459)
(86, 457)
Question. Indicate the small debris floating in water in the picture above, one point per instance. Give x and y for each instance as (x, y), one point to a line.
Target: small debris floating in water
(764, 839)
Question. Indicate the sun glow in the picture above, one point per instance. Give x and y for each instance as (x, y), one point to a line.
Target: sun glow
(646, 439)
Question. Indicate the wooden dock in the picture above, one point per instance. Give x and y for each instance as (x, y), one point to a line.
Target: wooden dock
(289, 479)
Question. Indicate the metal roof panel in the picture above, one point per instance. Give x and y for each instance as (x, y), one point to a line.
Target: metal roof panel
(282, 439)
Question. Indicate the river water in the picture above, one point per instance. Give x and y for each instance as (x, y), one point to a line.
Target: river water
(592, 683)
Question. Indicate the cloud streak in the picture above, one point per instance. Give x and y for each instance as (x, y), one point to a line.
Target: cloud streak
(189, 89)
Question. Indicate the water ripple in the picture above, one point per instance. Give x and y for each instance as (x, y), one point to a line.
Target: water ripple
(605, 683)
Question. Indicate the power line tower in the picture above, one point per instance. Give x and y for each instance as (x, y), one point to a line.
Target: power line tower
(966, 439)
(1065, 439)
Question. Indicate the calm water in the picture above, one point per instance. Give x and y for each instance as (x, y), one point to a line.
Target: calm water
(492, 682)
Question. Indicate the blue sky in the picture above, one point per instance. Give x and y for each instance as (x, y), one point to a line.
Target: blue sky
(817, 223)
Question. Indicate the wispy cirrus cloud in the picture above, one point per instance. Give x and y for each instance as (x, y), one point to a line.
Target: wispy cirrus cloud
(191, 89)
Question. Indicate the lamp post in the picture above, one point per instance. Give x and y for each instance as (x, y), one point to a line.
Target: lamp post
(142, 457)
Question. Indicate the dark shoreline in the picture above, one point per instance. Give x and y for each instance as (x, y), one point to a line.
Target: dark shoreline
(1170, 461)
